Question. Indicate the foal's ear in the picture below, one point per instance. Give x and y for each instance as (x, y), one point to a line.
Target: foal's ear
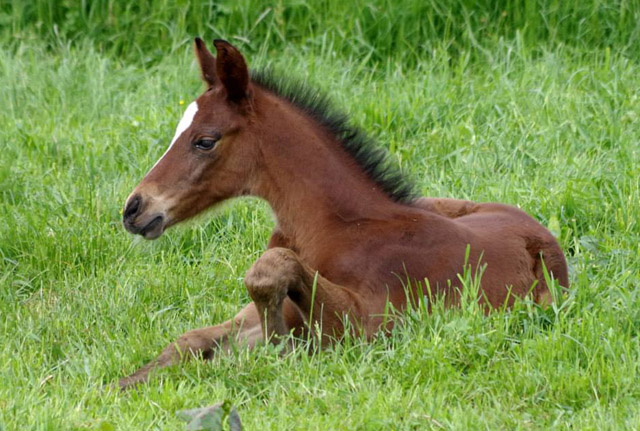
(231, 70)
(207, 62)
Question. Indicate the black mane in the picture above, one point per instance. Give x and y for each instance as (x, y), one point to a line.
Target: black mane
(369, 156)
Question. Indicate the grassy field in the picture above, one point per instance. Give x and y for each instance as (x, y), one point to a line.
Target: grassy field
(535, 104)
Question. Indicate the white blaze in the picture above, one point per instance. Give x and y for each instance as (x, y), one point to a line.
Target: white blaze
(183, 125)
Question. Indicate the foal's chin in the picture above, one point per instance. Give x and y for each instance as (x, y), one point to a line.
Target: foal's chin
(154, 234)
(151, 230)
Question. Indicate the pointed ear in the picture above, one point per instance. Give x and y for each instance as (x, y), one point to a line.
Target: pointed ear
(207, 62)
(232, 70)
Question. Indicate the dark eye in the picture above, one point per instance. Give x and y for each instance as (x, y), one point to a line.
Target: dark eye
(205, 144)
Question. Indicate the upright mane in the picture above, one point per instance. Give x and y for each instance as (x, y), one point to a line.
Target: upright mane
(371, 158)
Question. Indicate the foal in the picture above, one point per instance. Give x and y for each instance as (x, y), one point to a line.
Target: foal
(349, 234)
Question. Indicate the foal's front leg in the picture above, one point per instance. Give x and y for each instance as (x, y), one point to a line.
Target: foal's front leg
(279, 274)
(244, 328)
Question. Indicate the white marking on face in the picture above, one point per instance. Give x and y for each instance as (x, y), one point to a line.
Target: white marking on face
(183, 125)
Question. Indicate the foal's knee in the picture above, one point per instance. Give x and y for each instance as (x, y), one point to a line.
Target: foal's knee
(272, 275)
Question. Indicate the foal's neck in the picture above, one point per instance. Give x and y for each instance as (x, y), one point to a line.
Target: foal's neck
(314, 186)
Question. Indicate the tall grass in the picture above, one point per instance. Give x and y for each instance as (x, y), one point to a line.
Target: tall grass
(378, 30)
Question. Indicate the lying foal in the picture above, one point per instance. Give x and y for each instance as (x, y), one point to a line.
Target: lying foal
(349, 232)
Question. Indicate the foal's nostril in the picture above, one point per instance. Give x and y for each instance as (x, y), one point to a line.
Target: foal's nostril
(132, 207)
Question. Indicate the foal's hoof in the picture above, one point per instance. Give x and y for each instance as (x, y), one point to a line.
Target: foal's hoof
(127, 383)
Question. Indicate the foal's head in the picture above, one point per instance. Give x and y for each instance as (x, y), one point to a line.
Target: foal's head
(211, 156)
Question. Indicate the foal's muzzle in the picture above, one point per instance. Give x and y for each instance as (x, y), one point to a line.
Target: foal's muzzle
(150, 226)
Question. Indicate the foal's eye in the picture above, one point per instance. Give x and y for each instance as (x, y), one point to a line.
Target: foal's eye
(205, 144)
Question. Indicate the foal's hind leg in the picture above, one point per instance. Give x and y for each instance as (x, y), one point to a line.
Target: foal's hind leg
(244, 327)
(280, 274)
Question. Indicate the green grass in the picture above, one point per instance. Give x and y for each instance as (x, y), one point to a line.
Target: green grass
(548, 122)
(379, 30)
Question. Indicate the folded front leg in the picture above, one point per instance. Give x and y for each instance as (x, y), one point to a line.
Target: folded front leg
(280, 274)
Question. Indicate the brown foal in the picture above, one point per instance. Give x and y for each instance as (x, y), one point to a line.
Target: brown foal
(349, 234)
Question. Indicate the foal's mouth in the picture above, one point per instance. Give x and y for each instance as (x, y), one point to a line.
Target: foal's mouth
(151, 230)
(154, 228)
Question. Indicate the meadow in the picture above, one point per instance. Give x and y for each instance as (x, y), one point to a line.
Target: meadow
(531, 103)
